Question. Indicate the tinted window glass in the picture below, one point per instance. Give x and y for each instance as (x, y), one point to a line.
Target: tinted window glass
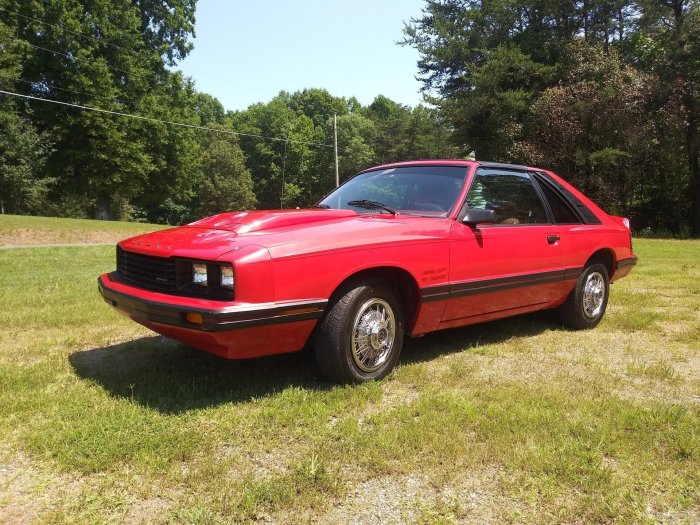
(562, 212)
(588, 216)
(511, 195)
(416, 190)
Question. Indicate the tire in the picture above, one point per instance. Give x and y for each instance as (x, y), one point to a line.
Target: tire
(361, 335)
(586, 304)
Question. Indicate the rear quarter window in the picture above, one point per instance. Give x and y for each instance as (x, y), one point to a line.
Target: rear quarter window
(561, 210)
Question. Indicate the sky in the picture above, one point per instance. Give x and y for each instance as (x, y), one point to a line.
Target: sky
(248, 51)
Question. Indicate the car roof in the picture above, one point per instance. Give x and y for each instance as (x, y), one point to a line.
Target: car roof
(451, 162)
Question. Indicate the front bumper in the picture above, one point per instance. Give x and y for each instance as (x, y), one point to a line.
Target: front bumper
(246, 330)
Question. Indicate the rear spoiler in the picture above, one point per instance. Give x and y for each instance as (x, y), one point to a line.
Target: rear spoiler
(624, 221)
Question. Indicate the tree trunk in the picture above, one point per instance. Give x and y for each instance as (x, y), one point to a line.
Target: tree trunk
(102, 212)
(693, 143)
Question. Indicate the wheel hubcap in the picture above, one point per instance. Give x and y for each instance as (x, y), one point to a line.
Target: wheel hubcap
(373, 335)
(593, 295)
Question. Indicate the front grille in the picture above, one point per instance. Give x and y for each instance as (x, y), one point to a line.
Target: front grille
(169, 275)
(146, 271)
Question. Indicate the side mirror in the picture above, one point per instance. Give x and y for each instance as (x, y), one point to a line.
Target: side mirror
(476, 216)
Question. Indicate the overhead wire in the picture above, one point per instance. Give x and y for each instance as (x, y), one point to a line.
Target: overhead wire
(62, 28)
(130, 51)
(76, 59)
(103, 42)
(118, 113)
(49, 87)
(167, 122)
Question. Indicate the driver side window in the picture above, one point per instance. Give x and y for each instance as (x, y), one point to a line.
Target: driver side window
(510, 194)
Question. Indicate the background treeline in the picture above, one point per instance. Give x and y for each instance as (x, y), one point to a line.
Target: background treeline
(603, 91)
(606, 92)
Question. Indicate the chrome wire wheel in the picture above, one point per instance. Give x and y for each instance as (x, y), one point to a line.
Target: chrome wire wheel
(593, 295)
(373, 335)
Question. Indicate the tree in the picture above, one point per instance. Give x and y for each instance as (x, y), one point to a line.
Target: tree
(595, 127)
(483, 62)
(391, 121)
(23, 152)
(226, 184)
(175, 151)
(355, 144)
(293, 165)
(23, 149)
(668, 42)
(497, 70)
(109, 55)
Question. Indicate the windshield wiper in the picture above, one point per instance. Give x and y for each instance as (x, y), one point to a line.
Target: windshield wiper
(371, 205)
(323, 206)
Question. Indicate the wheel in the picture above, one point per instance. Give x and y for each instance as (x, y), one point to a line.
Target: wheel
(360, 337)
(585, 306)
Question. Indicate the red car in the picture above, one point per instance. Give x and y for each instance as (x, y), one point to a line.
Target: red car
(400, 249)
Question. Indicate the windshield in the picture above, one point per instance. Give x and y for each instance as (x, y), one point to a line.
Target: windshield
(415, 190)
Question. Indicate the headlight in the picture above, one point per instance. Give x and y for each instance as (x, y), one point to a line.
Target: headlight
(227, 276)
(199, 274)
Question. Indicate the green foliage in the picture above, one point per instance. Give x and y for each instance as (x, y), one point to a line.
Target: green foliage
(355, 144)
(504, 87)
(594, 127)
(110, 55)
(382, 132)
(227, 184)
(604, 92)
(176, 152)
(23, 151)
(23, 148)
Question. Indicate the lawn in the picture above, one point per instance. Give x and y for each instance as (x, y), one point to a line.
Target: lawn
(25, 230)
(518, 421)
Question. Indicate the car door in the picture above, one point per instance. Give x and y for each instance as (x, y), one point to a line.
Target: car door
(513, 264)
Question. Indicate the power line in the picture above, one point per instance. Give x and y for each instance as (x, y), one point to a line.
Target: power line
(62, 28)
(125, 72)
(169, 122)
(48, 86)
(133, 52)
(72, 57)
(127, 50)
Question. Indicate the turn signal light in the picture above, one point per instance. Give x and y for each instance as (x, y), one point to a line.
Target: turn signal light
(194, 318)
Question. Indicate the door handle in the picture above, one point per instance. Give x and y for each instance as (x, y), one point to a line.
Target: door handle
(552, 239)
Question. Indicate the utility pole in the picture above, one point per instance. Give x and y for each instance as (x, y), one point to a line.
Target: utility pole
(284, 167)
(335, 148)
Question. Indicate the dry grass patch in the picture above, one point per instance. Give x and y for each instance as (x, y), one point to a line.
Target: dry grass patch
(19, 230)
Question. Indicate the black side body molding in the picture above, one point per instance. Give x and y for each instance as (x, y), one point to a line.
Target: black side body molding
(442, 292)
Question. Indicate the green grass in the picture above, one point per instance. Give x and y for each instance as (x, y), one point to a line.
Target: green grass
(23, 230)
(518, 421)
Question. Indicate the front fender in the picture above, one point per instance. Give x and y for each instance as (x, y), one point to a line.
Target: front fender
(253, 273)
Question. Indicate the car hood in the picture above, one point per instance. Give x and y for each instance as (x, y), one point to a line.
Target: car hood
(256, 221)
(284, 233)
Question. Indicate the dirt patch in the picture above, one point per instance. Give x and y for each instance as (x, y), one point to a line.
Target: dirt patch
(29, 494)
(26, 493)
(393, 395)
(473, 498)
(263, 464)
(147, 511)
(38, 237)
